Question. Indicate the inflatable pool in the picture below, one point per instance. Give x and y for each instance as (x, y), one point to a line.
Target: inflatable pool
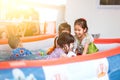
(103, 65)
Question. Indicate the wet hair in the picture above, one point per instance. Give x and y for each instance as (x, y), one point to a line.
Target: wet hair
(64, 26)
(13, 41)
(65, 38)
(82, 22)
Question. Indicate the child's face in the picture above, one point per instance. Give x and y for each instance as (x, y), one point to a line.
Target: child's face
(71, 47)
(68, 48)
(79, 31)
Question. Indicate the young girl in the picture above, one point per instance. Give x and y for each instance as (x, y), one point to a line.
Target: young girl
(63, 27)
(65, 42)
(82, 38)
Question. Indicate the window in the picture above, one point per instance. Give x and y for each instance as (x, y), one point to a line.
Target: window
(29, 17)
(109, 2)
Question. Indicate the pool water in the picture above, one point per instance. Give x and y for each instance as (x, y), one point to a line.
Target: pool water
(36, 55)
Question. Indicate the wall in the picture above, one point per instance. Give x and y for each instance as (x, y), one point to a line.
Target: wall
(100, 19)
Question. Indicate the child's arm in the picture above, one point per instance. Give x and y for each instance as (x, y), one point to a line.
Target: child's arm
(50, 50)
(88, 40)
(85, 49)
(53, 47)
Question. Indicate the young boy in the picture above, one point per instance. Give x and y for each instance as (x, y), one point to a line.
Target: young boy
(18, 50)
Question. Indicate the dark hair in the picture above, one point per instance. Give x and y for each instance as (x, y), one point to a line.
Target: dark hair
(65, 38)
(64, 26)
(82, 22)
(13, 41)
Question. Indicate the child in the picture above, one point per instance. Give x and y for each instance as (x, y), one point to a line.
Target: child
(65, 42)
(63, 27)
(82, 38)
(18, 50)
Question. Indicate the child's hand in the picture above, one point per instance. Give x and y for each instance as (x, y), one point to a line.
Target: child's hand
(71, 54)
